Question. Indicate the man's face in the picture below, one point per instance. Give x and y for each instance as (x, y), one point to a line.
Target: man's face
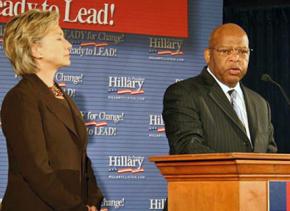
(228, 57)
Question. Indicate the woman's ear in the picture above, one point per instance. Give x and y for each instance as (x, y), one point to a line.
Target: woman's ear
(35, 50)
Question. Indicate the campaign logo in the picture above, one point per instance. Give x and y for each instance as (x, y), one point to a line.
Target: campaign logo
(126, 167)
(166, 49)
(156, 125)
(124, 87)
(156, 204)
(112, 203)
(102, 123)
(90, 43)
(68, 81)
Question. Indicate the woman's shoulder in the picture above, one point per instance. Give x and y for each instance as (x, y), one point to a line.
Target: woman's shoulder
(21, 91)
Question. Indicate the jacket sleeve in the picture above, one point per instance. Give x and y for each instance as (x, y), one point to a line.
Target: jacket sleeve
(183, 125)
(95, 196)
(22, 126)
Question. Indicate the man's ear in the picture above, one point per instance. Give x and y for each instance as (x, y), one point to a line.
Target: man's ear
(35, 50)
(206, 55)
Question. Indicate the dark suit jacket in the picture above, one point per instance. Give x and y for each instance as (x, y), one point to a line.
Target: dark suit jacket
(200, 119)
(46, 142)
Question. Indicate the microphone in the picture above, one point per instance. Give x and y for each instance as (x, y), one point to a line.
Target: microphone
(267, 78)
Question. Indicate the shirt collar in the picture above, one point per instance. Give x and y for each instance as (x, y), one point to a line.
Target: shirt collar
(224, 87)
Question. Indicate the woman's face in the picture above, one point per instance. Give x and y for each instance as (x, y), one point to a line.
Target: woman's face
(53, 50)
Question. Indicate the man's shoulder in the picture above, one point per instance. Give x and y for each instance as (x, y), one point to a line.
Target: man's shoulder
(189, 84)
(253, 95)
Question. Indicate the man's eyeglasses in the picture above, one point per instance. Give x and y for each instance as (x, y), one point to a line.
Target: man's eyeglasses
(229, 51)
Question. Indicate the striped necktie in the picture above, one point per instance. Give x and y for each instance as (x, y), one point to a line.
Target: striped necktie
(233, 94)
(236, 106)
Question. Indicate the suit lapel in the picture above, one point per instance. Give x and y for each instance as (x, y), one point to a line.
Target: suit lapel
(251, 113)
(219, 97)
(221, 100)
(62, 114)
(78, 121)
(55, 107)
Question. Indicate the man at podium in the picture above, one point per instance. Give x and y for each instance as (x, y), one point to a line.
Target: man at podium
(214, 111)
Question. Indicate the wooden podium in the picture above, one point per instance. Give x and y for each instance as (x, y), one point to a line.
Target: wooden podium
(221, 181)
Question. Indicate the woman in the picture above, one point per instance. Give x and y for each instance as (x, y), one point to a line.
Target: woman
(46, 138)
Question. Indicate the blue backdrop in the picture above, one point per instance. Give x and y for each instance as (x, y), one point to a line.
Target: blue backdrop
(118, 82)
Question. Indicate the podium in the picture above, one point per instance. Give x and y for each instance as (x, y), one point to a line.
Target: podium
(221, 181)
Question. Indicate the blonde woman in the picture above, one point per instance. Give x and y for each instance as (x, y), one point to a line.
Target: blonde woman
(46, 137)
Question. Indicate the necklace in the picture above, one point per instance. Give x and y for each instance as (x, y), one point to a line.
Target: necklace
(56, 92)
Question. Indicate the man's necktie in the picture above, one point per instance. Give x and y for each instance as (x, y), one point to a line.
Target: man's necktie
(233, 94)
(236, 106)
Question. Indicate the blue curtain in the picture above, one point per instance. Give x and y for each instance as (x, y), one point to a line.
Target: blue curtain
(269, 34)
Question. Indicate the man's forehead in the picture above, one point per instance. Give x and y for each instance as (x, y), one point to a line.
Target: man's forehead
(230, 39)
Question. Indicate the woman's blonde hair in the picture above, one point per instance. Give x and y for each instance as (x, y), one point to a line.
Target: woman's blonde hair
(21, 33)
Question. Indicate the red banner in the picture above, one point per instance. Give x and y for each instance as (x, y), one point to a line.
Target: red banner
(151, 17)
